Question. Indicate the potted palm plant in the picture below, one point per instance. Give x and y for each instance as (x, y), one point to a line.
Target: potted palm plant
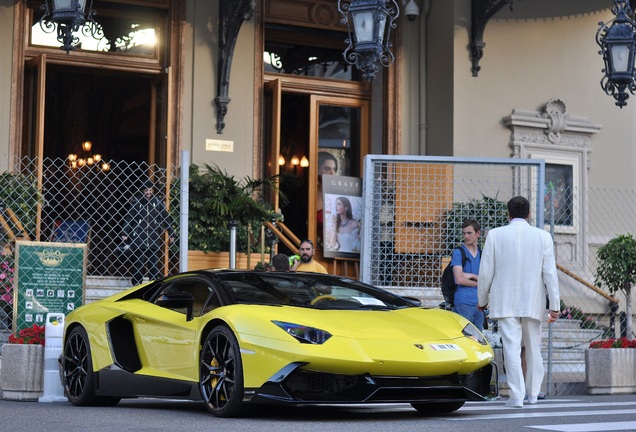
(218, 199)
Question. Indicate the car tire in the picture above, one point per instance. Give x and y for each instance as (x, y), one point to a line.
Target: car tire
(221, 373)
(437, 407)
(77, 367)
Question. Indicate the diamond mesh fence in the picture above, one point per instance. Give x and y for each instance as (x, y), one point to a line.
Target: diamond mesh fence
(91, 223)
(414, 209)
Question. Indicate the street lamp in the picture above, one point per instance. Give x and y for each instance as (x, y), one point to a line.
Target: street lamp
(618, 43)
(68, 16)
(368, 43)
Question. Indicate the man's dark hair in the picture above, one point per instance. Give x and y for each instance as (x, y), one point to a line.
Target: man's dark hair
(519, 207)
(280, 262)
(324, 156)
(473, 223)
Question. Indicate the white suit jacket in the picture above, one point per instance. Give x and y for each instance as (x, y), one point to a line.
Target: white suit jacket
(517, 270)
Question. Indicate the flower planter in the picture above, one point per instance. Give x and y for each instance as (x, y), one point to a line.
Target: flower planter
(610, 371)
(21, 375)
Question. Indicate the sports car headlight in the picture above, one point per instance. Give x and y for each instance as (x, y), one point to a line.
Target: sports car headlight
(304, 334)
(472, 332)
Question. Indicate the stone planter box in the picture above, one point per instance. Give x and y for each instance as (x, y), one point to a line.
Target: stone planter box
(610, 371)
(21, 375)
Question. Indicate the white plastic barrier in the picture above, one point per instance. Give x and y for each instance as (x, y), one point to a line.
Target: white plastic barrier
(53, 333)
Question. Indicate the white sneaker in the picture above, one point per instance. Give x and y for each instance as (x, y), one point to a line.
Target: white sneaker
(514, 403)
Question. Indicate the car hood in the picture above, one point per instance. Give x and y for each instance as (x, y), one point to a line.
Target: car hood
(407, 323)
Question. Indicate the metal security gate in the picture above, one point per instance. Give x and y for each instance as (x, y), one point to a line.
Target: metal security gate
(414, 208)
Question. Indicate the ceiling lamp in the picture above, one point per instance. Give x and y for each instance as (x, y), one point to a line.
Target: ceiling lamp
(368, 41)
(68, 17)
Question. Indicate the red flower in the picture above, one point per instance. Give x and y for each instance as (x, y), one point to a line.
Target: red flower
(33, 335)
(614, 343)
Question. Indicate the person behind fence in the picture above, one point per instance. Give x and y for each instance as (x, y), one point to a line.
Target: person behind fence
(466, 274)
(145, 224)
(517, 268)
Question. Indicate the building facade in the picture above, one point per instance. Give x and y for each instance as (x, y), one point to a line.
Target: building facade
(259, 87)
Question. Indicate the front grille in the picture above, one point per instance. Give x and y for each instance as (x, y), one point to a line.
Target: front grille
(478, 381)
(308, 385)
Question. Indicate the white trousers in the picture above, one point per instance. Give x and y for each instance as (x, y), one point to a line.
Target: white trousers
(513, 332)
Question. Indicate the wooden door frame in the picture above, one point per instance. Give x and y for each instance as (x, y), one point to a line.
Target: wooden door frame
(315, 101)
(275, 87)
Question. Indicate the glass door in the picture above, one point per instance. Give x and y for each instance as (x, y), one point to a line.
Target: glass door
(339, 140)
(303, 131)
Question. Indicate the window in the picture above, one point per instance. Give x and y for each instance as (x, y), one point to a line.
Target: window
(559, 194)
(562, 196)
(132, 31)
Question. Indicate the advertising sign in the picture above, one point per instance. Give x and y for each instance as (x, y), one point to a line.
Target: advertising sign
(343, 207)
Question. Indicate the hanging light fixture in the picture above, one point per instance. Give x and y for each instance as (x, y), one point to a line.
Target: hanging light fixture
(304, 162)
(368, 41)
(68, 17)
(87, 159)
(618, 43)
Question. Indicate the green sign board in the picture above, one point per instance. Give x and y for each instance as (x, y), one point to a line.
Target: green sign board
(49, 279)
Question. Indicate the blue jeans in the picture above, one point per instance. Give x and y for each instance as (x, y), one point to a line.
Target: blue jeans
(471, 313)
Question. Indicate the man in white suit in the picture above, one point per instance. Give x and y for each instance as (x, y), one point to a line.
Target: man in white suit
(517, 270)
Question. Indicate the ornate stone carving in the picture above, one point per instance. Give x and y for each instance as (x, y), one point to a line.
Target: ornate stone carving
(551, 128)
(555, 111)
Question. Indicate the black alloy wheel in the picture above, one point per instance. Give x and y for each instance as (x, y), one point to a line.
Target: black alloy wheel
(221, 373)
(77, 366)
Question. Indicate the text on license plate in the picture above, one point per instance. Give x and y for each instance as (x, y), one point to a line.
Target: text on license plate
(444, 347)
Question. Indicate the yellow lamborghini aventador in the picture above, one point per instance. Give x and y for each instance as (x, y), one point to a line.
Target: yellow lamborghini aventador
(236, 338)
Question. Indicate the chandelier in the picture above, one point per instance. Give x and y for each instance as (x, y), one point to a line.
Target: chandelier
(88, 159)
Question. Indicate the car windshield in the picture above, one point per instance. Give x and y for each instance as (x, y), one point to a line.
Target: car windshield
(308, 290)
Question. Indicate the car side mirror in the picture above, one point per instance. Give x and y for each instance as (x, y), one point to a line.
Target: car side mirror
(417, 302)
(177, 300)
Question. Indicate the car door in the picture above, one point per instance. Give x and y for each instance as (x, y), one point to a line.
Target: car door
(169, 343)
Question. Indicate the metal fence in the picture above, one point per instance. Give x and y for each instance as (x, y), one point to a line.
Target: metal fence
(414, 208)
(75, 205)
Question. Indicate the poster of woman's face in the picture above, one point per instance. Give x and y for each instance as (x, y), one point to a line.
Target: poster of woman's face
(343, 209)
(331, 161)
